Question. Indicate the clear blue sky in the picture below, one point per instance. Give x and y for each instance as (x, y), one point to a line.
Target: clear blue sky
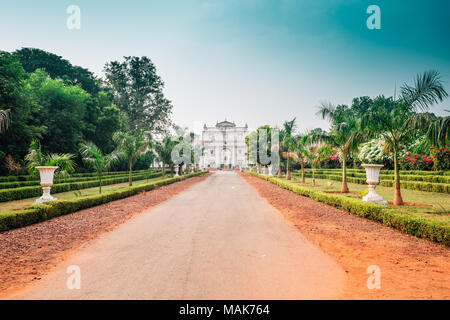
(260, 62)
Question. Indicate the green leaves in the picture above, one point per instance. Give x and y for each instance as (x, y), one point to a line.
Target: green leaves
(138, 92)
(36, 157)
(427, 90)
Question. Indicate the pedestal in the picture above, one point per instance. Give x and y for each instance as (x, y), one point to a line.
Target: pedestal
(374, 197)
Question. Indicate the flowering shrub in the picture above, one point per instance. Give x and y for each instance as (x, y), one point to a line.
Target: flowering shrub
(334, 157)
(373, 152)
(440, 158)
(416, 162)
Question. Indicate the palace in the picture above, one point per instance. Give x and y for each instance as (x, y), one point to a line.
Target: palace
(224, 146)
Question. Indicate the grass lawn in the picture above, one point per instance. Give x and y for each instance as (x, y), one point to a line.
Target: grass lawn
(21, 204)
(434, 204)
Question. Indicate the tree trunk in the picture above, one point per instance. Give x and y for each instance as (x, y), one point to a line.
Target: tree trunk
(288, 173)
(279, 166)
(313, 175)
(164, 171)
(130, 177)
(398, 201)
(303, 170)
(344, 188)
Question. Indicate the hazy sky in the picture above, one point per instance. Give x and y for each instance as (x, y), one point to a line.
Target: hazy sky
(254, 61)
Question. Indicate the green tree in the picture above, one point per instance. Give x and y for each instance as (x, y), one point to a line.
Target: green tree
(130, 145)
(389, 118)
(138, 92)
(164, 152)
(289, 143)
(15, 96)
(95, 159)
(345, 133)
(57, 68)
(301, 150)
(62, 111)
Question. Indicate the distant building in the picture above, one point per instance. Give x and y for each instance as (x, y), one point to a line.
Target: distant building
(224, 146)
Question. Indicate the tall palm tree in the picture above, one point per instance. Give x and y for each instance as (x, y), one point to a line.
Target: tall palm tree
(289, 143)
(389, 118)
(131, 145)
(95, 159)
(345, 133)
(164, 151)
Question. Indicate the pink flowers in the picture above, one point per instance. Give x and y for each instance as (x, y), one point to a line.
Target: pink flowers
(334, 157)
(416, 162)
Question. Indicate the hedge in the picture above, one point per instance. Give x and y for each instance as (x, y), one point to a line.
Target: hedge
(422, 228)
(412, 185)
(20, 184)
(29, 192)
(386, 172)
(46, 211)
(88, 174)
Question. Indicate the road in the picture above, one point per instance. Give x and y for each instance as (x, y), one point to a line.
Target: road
(217, 240)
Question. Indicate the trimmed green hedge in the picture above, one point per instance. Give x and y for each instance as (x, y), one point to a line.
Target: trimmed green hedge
(29, 192)
(20, 184)
(418, 227)
(384, 172)
(412, 185)
(78, 175)
(39, 213)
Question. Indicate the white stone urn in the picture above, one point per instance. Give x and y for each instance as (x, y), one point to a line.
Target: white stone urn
(47, 174)
(372, 179)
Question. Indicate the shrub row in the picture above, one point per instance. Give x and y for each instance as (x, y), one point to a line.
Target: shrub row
(19, 184)
(29, 192)
(411, 185)
(89, 174)
(422, 228)
(386, 172)
(38, 213)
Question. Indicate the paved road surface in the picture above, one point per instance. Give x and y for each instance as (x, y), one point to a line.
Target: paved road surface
(216, 240)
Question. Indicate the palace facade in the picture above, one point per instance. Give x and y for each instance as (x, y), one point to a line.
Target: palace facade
(224, 146)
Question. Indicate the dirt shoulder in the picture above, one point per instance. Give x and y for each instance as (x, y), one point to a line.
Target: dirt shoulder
(411, 268)
(28, 253)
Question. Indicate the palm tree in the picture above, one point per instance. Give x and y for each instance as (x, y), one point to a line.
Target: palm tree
(164, 151)
(390, 118)
(345, 133)
(301, 150)
(95, 159)
(4, 120)
(131, 145)
(436, 129)
(289, 143)
(36, 157)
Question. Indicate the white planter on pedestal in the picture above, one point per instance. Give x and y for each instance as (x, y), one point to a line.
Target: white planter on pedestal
(47, 174)
(372, 175)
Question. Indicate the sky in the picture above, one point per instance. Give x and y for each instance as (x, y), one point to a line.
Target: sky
(249, 61)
